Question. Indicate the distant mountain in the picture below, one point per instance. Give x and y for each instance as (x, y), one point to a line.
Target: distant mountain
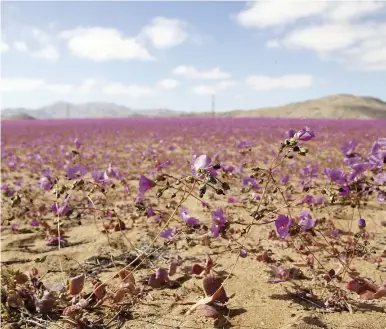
(61, 110)
(18, 116)
(335, 106)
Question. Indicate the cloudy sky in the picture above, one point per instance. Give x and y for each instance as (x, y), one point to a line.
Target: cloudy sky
(176, 54)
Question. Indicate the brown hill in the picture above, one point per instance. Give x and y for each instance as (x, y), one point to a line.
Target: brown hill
(336, 106)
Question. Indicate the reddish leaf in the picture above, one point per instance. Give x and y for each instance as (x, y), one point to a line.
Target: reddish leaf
(99, 290)
(207, 311)
(380, 293)
(197, 269)
(14, 300)
(367, 295)
(154, 282)
(68, 311)
(45, 304)
(76, 285)
(119, 295)
(172, 268)
(127, 276)
(212, 287)
(120, 226)
(21, 278)
(209, 263)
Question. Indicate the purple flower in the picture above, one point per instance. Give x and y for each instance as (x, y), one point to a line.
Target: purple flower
(202, 163)
(218, 222)
(45, 184)
(378, 152)
(160, 166)
(335, 233)
(77, 143)
(232, 200)
(14, 227)
(283, 225)
(47, 173)
(77, 171)
(344, 191)
(305, 134)
(248, 181)
(381, 197)
(362, 166)
(157, 218)
(101, 177)
(5, 187)
(336, 175)
(188, 219)
(150, 212)
(228, 169)
(306, 222)
(307, 199)
(285, 179)
(34, 223)
(256, 196)
(244, 144)
(290, 133)
(145, 184)
(348, 149)
(63, 210)
(320, 200)
(55, 241)
(361, 223)
(380, 178)
(111, 172)
(205, 204)
(139, 199)
(168, 233)
(243, 253)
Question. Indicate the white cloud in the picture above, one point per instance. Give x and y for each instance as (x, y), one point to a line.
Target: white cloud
(20, 46)
(351, 10)
(40, 36)
(355, 45)
(3, 47)
(87, 86)
(130, 90)
(137, 91)
(290, 81)
(265, 14)
(326, 38)
(20, 84)
(24, 84)
(165, 33)
(277, 13)
(48, 52)
(213, 89)
(273, 44)
(193, 73)
(63, 89)
(335, 30)
(102, 44)
(168, 84)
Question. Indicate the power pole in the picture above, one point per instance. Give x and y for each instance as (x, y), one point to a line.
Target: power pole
(213, 105)
(67, 111)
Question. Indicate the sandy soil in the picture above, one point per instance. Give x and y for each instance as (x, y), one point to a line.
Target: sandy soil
(256, 303)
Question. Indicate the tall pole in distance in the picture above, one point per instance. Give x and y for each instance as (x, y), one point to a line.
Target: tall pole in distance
(67, 111)
(213, 105)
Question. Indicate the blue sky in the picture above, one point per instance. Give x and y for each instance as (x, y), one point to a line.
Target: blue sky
(177, 54)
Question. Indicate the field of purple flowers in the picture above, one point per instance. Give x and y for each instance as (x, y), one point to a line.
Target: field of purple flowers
(193, 223)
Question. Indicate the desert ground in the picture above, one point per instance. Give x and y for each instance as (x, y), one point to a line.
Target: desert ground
(107, 226)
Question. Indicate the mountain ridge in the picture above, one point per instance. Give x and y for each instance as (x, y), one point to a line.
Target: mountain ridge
(332, 106)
